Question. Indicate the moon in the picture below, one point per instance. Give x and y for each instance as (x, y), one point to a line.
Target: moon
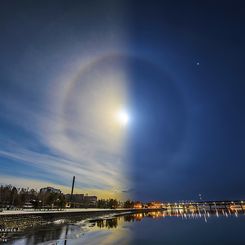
(123, 117)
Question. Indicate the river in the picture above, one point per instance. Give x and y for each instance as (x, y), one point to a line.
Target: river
(160, 227)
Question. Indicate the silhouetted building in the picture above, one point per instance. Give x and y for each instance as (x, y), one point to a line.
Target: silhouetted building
(50, 190)
(79, 198)
(138, 205)
(154, 205)
(90, 199)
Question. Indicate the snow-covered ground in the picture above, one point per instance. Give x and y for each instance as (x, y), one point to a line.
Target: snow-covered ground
(70, 210)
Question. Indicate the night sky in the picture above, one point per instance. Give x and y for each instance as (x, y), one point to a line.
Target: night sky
(176, 67)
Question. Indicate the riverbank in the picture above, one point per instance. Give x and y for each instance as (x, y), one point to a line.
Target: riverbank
(22, 219)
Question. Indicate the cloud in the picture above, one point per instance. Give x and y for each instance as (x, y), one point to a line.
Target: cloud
(75, 131)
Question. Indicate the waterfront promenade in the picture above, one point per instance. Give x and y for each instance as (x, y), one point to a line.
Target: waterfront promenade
(54, 211)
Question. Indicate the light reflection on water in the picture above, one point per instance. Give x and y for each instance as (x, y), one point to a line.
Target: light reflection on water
(221, 226)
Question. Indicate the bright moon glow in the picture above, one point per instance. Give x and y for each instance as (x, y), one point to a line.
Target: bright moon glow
(123, 118)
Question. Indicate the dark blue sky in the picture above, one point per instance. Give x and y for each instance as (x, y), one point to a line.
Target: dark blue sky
(182, 63)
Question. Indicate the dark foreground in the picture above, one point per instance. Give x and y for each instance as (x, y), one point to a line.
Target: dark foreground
(154, 227)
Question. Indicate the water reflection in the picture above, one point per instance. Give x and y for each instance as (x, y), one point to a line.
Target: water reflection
(116, 229)
(111, 223)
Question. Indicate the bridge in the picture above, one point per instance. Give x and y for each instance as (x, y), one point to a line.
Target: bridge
(235, 205)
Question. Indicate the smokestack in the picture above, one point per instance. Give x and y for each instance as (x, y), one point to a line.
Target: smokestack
(72, 188)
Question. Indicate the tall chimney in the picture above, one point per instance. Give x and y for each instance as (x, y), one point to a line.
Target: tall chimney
(72, 188)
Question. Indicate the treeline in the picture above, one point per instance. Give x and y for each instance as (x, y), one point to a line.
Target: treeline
(11, 196)
(113, 203)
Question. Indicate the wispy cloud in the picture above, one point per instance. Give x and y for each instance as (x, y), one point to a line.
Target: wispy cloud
(75, 131)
